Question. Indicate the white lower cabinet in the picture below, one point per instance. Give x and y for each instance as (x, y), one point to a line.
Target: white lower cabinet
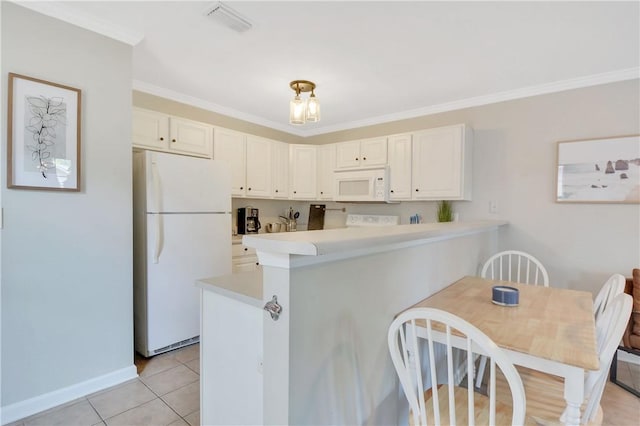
(441, 163)
(231, 354)
(243, 258)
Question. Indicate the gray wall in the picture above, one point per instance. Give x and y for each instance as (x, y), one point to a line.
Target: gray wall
(67, 257)
(514, 164)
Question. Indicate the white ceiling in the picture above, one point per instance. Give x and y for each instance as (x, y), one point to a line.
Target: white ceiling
(372, 61)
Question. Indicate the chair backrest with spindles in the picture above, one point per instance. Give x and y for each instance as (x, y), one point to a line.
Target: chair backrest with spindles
(515, 266)
(609, 329)
(431, 369)
(611, 288)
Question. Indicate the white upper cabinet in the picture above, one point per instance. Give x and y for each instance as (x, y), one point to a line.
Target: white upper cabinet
(258, 167)
(400, 163)
(280, 169)
(229, 146)
(441, 163)
(326, 167)
(154, 130)
(364, 153)
(303, 172)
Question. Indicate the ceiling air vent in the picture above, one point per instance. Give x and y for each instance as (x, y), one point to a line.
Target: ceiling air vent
(228, 17)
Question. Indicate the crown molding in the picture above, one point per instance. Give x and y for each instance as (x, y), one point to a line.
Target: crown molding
(162, 92)
(525, 92)
(75, 17)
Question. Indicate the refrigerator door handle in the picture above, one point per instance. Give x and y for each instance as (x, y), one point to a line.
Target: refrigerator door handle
(155, 176)
(159, 238)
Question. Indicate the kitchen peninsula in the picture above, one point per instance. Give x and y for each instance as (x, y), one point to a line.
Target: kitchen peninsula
(325, 359)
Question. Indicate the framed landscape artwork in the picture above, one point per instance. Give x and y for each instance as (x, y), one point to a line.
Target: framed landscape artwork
(43, 141)
(599, 170)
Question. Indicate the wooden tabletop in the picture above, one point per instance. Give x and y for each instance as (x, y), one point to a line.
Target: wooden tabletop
(548, 323)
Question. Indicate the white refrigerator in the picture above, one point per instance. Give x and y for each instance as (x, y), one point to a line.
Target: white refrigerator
(182, 233)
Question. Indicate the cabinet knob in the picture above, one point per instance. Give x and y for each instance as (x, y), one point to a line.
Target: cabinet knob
(295, 192)
(245, 249)
(242, 187)
(391, 191)
(321, 192)
(417, 190)
(249, 189)
(356, 158)
(161, 138)
(276, 190)
(364, 158)
(173, 140)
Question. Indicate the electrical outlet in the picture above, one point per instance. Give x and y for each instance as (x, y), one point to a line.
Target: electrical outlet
(493, 207)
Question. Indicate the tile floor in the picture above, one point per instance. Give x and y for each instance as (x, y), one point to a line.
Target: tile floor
(167, 392)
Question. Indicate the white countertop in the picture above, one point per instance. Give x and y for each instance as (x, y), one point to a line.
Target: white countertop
(330, 241)
(243, 286)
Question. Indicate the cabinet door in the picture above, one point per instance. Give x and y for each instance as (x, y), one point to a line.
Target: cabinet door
(303, 172)
(258, 167)
(326, 166)
(373, 152)
(150, 129)
(229, 147)
(347, 155)
(400, 167)
(437, 164)
(190, 137)
(280, 169)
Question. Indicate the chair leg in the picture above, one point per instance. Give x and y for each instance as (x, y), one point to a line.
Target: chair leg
(481, 368)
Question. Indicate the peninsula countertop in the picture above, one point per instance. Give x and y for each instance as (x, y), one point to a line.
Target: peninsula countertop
(243, 286)
(334, 241)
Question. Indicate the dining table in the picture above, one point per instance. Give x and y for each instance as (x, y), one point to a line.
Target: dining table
(551, 329)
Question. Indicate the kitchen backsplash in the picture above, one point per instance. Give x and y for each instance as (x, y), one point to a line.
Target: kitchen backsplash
(270, 210)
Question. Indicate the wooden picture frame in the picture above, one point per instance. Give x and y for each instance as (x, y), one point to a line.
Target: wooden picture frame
(599, 170)
(43, 142)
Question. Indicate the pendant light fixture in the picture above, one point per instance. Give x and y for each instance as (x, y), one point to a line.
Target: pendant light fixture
(300, 110)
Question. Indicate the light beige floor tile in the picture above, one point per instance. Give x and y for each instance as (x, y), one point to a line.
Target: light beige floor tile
(78, 414)
(187, 354)
(620, 408)
(154, 412)
(194, 418)
(194, 365)
(180, 422)
(157, 364)
(170, 380)
(185, 400)
(121, 398)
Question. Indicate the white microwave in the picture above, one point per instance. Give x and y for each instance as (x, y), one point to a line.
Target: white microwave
(362, 185)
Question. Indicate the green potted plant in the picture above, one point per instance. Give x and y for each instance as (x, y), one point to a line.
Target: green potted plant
(445, 211)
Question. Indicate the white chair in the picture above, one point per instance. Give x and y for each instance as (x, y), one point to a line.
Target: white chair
(442, 402)
(515, 266)
(611, 288)
(545, 393)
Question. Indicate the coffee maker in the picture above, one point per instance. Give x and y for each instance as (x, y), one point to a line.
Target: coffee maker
(248, 222)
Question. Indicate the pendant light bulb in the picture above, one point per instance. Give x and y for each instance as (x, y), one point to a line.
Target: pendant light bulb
(313, 108)
(297, 111)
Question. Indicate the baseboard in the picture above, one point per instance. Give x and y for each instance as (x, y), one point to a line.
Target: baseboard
(31, 406)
